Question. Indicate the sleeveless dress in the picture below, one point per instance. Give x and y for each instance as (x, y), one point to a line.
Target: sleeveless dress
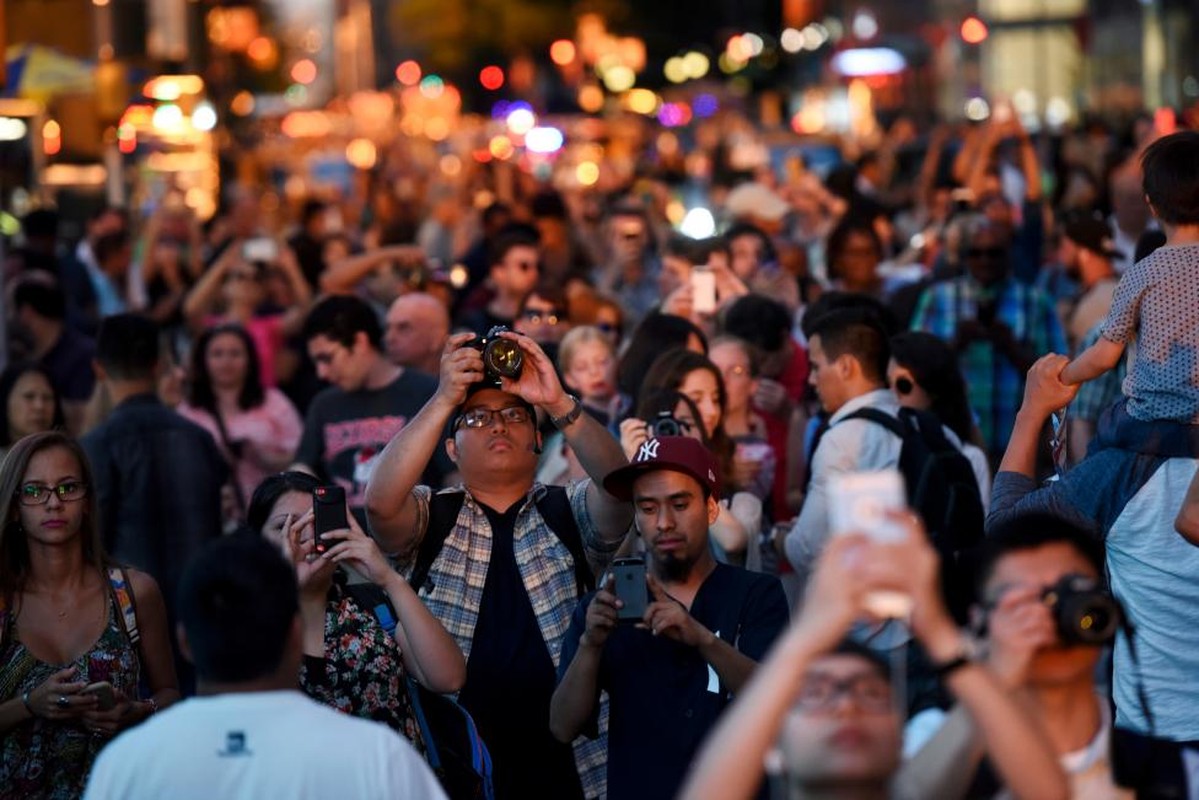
(48, 759)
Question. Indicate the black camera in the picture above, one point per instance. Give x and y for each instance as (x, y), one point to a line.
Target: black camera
(502, 358)
(1084, 612)
(665, 424)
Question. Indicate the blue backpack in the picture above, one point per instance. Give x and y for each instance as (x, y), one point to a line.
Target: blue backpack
(453, 747)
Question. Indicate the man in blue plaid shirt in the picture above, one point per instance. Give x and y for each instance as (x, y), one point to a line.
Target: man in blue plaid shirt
(998, 325)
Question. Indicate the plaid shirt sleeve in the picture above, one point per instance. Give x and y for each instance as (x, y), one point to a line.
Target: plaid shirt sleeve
(599, 550)
(1048, 336)
(930, 315)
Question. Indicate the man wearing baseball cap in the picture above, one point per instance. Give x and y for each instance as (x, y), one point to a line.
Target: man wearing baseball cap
(671, 672)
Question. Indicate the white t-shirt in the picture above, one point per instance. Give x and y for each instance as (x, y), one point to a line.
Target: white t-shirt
(259, 745)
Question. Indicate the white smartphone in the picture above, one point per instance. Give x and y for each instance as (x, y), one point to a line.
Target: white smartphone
(703, 290)
(261, 249)
(858, 502)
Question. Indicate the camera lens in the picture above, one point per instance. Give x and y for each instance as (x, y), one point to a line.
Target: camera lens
(504, 357)
(1085, 614)
(666, 425)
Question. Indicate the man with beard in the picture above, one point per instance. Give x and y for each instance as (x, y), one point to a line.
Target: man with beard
(706, 625)
(1087, 252)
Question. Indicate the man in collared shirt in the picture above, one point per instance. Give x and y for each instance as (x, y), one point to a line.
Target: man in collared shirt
(505, 579)
(671, 676)
(848, 357)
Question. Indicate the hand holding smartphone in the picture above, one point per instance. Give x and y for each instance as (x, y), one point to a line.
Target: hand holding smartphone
(631, 588)
(703, 290)
(329, 512)
(106, 696)
(859, 502)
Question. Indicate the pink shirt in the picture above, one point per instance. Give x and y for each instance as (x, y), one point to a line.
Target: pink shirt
(274, 427)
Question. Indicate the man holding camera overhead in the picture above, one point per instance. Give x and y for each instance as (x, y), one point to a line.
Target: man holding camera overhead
(501, 560)
(670, 637)
(1045, 618)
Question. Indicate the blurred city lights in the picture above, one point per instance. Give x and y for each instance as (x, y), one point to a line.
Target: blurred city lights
(12, 129)
(362, 153)
(304, 71)
(814, 36)
(450, 165)
(696, 64)
(242, 104)
(305, 125)
(674, 115)
(432, 86)
(168, 118)
(792, 40)
(408, 73)
(675, 212)
(501, 147)
(977, 109)
(126, 139)
(698, 224)
(204, 117)
(642, 101)
(705, 105)
(974, 30)
(674, 70)
(51, 138)
(863, 62)
(521, 121)
(591, 99)
(491, 77)
(1058, 111)
(262, 52)
(459, 276)
(296, 94)
(544, 140)
(170, 88)
(587, 173)
(562, 52)
(619, 78)
(864, 25)
(437, 128)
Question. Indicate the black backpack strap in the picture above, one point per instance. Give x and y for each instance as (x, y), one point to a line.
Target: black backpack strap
(443, 514)
(554, 507)
(882, 418)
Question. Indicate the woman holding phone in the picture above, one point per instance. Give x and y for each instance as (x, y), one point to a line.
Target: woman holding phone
(76, 631)
(351, 662)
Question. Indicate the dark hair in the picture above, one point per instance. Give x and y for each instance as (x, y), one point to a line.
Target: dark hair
(14, 550)
(857, 334)
(8, 381)
(200, 394)
(109, 244)
(550, 291)
(128, 347)
(849, 647)
(41, 223)
(237, 604)
(267, 493)
(548, 204)
(881, 314)
(934, 366)
(763, 322)
(311, 208)
(655, 334)
(669, 370)
(46, 298)
(341, 318)
(1147, 243)
(1171, 182)
(1029, 532)
(740, 229)
(510, 236)
(493, 211)
(838, 240)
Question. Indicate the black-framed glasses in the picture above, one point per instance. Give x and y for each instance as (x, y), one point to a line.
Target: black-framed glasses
(869, 693)
(482, 417)
(36, 494)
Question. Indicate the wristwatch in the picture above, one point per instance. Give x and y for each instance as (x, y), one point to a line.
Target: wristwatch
(566, 420)
(967, 653)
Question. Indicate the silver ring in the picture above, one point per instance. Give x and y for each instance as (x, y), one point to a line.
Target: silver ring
(63, 702)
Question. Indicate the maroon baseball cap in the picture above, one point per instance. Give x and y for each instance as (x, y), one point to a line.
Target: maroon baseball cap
(678, 453)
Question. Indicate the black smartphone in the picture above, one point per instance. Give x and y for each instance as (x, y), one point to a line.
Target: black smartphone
(329, 512)
(631, 589)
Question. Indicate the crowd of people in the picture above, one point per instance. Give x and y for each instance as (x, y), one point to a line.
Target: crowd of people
(594, 480)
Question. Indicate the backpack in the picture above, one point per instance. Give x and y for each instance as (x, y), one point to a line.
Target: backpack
(941, 487)
(554, 507)
(121, 592)
(453, 747)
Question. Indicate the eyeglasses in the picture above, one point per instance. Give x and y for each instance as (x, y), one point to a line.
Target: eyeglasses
(548, 317)
(482, 417)
(36, 494)
(868, 692)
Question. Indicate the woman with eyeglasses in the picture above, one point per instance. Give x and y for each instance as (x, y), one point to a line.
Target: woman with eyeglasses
(236, 289)
(924, 375)
(351, 661)
(78, 634)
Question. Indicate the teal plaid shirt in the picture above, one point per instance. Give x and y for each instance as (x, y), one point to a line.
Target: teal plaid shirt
(994, 385)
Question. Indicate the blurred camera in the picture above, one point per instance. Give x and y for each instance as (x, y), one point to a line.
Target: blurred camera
(1084, 612)
(665, 424)
(502, 358)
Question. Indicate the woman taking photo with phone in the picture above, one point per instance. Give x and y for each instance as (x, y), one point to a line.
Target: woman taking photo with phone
(76, 631)
(351, 662)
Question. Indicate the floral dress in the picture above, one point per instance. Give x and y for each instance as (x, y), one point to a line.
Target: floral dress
(42, 758)
(362, 673)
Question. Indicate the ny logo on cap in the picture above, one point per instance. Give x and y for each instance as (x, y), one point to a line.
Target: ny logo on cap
(648, 451)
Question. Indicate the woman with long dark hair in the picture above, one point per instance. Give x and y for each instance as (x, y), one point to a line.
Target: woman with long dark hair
(30, 404)
(78, 634)
(256, 429)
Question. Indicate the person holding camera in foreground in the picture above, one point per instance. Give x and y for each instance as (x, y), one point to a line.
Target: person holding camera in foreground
(502, 561)
(833, 701)
(670, 637)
